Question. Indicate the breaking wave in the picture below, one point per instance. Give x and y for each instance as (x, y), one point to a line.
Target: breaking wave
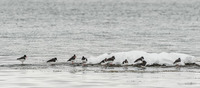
(163, 58)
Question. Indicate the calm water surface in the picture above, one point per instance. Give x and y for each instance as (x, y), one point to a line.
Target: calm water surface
(75, 77)
(49, 28)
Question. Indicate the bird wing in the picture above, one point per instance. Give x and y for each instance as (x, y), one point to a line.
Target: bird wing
(20, 58)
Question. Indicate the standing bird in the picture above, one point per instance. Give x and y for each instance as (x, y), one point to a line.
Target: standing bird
(110, 60)
(103, 62)
(139, 59)
(125, 62)
(22, 59)
(84, 60)
(177, 61)
(143, 64)
(72, 59)
(52, 60)
(140, 62)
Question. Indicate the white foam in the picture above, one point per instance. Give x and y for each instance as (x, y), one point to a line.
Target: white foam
(151, 58)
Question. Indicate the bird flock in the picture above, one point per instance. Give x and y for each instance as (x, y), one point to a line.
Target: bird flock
(140, 62)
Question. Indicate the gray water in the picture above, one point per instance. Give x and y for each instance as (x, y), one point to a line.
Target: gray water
(62, 76)
(43, 29)
(93, 27)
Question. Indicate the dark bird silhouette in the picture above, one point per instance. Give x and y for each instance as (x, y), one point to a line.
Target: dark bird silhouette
(84, 60)
(125, 62)
(110, 60)
(139, 59)
(177, 60)
(143, 63)
(52, 60)
(22, 59)
(72, 59)
(103, 61)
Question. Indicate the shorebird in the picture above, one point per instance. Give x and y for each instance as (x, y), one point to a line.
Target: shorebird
(22, 59)
(177, 62)
(103, 62)
(52, 60)
(143, 64)
(72, 59)
(84, 60)
(139, 59)
(125, 62)
(110, 60)
(140, 62)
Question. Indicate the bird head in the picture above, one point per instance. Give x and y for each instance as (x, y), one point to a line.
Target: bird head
(113, 57)
(25, 56)
(83, 58)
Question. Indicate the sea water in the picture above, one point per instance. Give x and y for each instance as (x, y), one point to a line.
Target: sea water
(43, 29)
